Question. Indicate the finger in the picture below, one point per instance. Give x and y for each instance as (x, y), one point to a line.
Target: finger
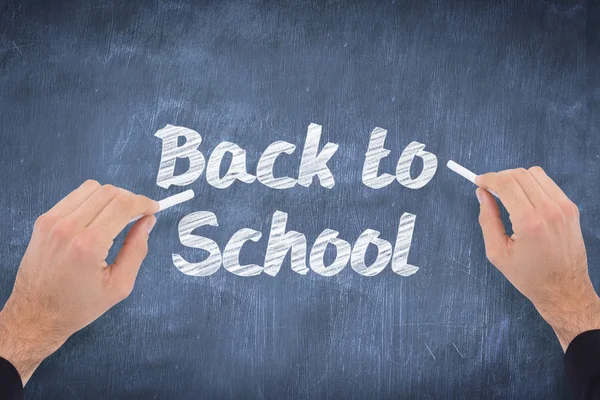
(494, 233)
(127, 263)
(74, 199)
(83, 215)
(120, 210)
(536, 195)
(548, 185)
(508, 190)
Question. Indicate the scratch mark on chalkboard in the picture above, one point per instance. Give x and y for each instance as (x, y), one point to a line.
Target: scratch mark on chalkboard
(443, 324)
(140, 121)
(273, 324)
(470, 147)
(458, 350)
(273, 327)
(145, 275)
(324, 375)
(97, 7)
(430, 352)
(17, 47)
(260, 393)
(121, 145)
(71, 390)
(472, 276)
(405, 362)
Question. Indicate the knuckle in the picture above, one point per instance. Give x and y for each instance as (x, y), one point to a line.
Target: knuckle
(522, 174)
(520, 171)
(62, 230)
(570, 208)
(109, 189)
(81, 244)
(555, 214)
(45, 223)
(91, 183)
(574, 209)
(124, 201)
(532, 223)
(536, 169)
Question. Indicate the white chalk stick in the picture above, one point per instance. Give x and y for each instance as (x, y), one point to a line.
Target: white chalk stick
(465, 173)
(171, 201)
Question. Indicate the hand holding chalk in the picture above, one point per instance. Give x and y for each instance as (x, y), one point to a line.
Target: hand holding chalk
(545, 257)
(171, 201)
(65, 276)
(465, 173)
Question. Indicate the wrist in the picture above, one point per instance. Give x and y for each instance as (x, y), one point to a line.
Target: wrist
(24, 343)
(572, 315)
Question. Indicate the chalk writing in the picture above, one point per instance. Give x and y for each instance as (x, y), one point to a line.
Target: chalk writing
(281, 240)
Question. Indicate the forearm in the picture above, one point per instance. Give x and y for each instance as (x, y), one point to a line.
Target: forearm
(572, 314)
(24, 346)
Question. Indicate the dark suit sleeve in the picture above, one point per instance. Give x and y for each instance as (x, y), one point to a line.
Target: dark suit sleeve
(11, 387)
(582, 365)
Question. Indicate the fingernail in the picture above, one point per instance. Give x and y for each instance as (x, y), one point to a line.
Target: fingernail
(479, 195)
(150, 224)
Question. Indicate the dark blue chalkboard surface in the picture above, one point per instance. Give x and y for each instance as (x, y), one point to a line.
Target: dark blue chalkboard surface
(85, 85)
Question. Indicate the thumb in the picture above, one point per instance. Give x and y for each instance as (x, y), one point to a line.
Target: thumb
(125, 268)
(494, 234)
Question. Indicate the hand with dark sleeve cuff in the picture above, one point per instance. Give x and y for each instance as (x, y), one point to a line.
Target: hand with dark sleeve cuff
(64, 283)
(545, 259)
(582, 366)
(11, 387)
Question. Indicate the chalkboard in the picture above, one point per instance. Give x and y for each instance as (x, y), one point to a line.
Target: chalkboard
(86, 85)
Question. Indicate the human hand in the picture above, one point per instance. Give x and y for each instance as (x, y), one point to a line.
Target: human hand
(64, 282)
(545, 258)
